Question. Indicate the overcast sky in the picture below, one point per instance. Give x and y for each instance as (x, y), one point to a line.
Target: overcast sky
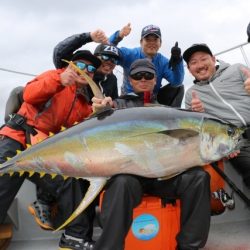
(30, 29)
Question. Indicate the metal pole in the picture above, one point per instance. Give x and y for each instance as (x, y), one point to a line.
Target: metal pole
(244, 56)
(235, 47)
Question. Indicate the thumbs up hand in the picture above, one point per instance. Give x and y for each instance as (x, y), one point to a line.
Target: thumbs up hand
(196, 103)
(125, 31)
(175, 56)
(246, 72)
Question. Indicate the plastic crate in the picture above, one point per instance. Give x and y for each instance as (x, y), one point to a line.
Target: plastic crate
(154, 226)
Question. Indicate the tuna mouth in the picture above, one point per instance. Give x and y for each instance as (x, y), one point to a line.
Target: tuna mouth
(223, 148)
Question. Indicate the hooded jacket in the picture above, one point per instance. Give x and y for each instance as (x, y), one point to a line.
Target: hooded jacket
(223, 94)
(48, 105)
(133, 100)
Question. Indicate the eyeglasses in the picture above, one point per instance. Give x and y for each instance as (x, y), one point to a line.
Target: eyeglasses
(146, 75)
(109, 58)
(82, 66)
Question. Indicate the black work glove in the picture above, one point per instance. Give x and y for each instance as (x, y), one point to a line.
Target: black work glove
(175, 56)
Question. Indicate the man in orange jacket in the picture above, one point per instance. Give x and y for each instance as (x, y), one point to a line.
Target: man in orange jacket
(54, 99)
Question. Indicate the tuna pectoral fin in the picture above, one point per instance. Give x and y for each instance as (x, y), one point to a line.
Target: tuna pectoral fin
(180, 133)
(95, 187)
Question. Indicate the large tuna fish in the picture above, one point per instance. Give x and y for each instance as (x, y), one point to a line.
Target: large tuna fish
(147, 141)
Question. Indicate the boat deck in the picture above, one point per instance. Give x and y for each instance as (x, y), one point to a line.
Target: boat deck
(224, 236)
(229, 231)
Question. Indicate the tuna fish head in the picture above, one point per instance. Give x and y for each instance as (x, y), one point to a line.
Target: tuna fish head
(218, 139)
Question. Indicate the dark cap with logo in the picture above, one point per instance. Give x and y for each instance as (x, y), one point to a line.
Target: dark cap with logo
(151, 30)
(142, 65)
(104, 49)
(87, 55)
(195, 48)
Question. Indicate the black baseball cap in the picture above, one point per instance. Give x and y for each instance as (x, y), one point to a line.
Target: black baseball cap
(142, 65)
(195, 48)
(87, 55)
(104, 49)
(149, 30)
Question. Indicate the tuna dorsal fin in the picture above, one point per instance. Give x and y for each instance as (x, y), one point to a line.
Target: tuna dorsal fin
(180, 133)
(95, 187)
(102, 113)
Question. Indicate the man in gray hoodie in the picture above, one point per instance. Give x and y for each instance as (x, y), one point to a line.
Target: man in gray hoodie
(222, 90)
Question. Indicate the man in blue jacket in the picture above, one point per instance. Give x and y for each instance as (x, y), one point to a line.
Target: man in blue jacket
(172, 70)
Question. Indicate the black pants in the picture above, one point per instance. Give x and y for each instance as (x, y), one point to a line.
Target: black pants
(242, 162)
(67, 193)
(70, 197)
(124, 192)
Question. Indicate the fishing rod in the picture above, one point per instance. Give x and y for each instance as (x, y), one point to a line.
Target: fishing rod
(230, 183)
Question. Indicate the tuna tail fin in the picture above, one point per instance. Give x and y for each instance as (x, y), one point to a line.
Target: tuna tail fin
(7, 167)
(95, 187)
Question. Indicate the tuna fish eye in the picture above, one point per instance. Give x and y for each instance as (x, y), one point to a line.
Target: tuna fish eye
(230, 131)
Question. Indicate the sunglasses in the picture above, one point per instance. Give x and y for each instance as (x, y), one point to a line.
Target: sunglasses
(146, 75)
(82, 66)
(109, 58)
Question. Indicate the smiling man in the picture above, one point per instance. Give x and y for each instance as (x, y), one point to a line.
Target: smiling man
(172, 70)
(222, 90)
(124, 192)
(51, 100)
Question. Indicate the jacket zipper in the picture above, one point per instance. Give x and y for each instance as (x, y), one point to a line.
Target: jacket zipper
(228, 104)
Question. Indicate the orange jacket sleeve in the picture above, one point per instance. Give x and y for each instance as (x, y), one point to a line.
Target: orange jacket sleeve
(43, 87)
